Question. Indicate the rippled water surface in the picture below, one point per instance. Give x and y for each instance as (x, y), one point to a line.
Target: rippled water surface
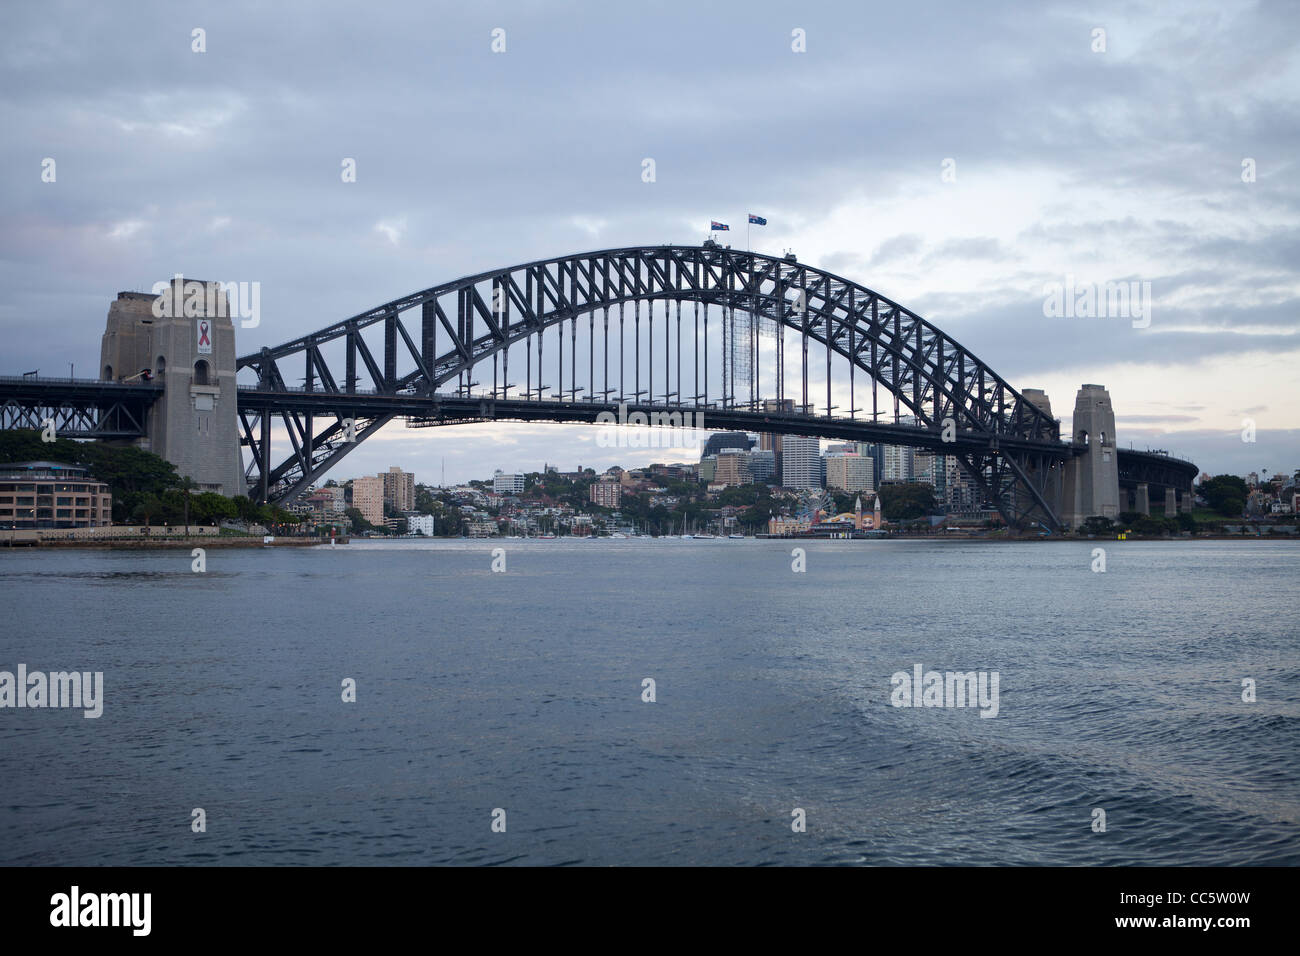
(522, 690)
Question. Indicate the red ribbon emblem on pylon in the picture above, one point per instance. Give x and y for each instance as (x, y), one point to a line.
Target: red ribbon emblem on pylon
(203, 334)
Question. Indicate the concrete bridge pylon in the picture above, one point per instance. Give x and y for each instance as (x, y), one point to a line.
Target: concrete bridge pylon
(1091, 485)
(181, 337)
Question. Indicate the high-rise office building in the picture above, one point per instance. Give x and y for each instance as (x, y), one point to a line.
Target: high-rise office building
(762, 466)
(801, 462)
(924, 465)
(723, 440)
(770, 441)
(898, 463)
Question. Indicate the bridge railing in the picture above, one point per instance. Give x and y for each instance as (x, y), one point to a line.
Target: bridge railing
(65, 380)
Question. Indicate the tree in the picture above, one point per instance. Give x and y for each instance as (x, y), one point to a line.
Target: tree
(1097, 524)
(902, 502)
(1226, 494)
(359, 523)
(148, 507)
(1152, 525)
(187, 484)
(425, 500)
(210, 507)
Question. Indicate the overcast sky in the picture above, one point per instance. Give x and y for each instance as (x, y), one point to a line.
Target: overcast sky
(1069, 161)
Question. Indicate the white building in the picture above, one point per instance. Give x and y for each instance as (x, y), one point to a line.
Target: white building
(898, 464)
(420, 524)
(504, 484)
(801, 463)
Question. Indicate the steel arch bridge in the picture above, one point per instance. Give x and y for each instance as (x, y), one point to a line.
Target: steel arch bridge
(846, 339)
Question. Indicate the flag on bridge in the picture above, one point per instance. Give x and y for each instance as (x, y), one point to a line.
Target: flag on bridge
(757, 220)
(715, 226)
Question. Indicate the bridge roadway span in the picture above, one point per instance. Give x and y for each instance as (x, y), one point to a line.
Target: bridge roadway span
(450, 409)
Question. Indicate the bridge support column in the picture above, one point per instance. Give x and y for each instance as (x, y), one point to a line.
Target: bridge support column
(1185, 502)
(1143, 495)
(190, 349)
(1092, 479)
(1171, 503)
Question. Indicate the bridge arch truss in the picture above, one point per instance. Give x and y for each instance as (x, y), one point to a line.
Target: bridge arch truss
(793, 349)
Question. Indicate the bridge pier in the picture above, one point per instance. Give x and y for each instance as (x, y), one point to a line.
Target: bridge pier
(1171, 503)
(190, 350)
(1186, 502)
(1091, 485)
(1143, 496)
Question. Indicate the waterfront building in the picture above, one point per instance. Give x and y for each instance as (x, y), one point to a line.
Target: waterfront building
(420, 524)
(782, 525)
(481, 527)
(50, 494)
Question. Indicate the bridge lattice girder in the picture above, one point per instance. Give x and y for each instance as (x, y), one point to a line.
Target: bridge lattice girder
(77, 408)
(468, 322)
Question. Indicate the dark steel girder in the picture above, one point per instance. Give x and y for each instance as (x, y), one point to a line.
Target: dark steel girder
(480, 318)
(926, 369)
(77, 408)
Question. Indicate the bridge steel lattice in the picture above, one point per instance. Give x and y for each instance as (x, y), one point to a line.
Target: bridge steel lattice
(440, 345)
(77, 408)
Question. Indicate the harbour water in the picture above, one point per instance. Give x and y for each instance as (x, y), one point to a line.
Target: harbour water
(523, 690)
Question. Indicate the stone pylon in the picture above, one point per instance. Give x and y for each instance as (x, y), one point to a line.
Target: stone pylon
(183, 339)
(1091, 485)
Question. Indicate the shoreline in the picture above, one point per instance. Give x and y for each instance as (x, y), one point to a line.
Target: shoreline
(171, 544)
(167, 544)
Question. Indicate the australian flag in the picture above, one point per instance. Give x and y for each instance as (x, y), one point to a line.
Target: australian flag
(757, 220)
(715, 226)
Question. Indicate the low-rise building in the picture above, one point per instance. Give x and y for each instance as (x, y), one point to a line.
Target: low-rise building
(503, 483)
(783, 525)
(420, 524)
(50, 494)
